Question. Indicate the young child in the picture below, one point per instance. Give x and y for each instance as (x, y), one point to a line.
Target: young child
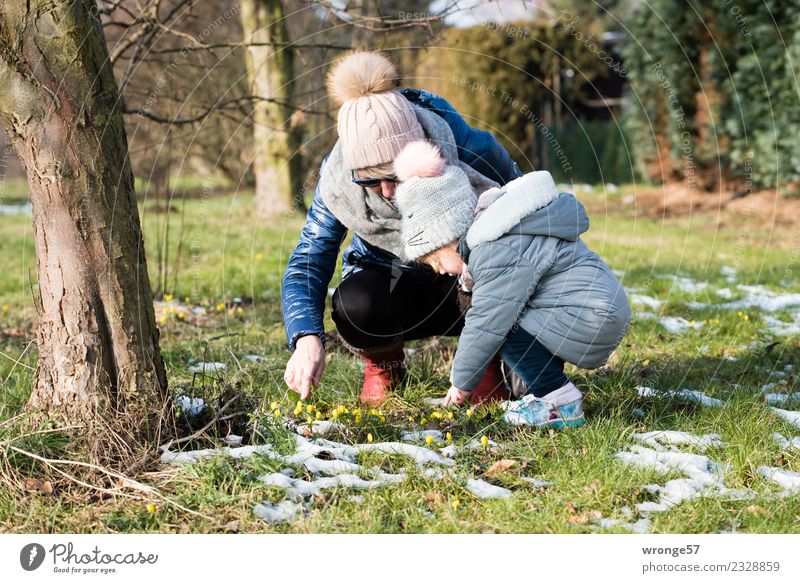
(540, 297)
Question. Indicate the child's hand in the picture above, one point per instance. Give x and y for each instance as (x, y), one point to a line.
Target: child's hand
(455, 396)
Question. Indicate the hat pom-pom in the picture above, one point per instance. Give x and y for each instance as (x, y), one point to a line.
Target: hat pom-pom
(421, 159)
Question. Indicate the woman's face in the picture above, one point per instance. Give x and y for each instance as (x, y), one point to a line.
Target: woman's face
(385, 189)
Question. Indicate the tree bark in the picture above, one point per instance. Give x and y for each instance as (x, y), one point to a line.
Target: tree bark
(277, 164)
(99, 360)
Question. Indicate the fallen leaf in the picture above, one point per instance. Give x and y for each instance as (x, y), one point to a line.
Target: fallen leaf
(756, 509)
(500, 467)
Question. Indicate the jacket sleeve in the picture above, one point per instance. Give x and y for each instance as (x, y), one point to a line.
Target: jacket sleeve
(504, 282)
(478, 148)
(309, 271)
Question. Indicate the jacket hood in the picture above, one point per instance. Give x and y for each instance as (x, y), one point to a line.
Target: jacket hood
(562, 216)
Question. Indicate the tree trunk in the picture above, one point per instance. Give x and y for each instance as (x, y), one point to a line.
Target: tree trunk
(277, 164)
(99, 361)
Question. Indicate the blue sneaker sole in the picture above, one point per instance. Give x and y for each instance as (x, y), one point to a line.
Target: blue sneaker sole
(558, 423)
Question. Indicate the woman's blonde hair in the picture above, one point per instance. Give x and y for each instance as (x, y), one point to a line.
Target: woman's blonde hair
(376, 171)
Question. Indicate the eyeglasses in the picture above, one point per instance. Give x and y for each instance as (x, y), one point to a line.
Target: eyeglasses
(371, 182)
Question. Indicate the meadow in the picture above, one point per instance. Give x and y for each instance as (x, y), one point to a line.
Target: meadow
(217, 270)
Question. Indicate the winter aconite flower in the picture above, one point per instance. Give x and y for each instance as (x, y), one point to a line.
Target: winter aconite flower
(167, 297)
(369, 437)
(6, 308)
(273, 405)
(449, 436)
(455, 503)
(470, 412)
(484, 441)
(220, 307)
(309, 408)
(151, 508)
(429, 439)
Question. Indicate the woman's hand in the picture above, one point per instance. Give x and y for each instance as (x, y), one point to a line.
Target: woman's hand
(455, 396)
(305, 366)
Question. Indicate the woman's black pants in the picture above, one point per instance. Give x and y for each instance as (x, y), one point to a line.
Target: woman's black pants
(375, 309)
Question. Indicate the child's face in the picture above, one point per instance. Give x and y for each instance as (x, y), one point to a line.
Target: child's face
(450, 262)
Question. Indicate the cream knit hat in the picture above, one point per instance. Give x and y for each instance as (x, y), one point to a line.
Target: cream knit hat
(436, 200)
(375, 121)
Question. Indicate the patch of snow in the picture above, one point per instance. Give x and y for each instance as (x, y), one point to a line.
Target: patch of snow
(12, 210)
(254, 358)
(725, 293)
(483, 489)
(232, 439)
(784, 443)
(781, 398)
(207, 367)
(729, 273)
(786, 479)
(191, 405)
(641, 526)
(321, 427)
(678, 325)
(536, 482)
(421, 435)
(683, 394)
(276, 513)
(434, 401)
(703, 477)
(656, 439)
(792, 417)
(644, 300)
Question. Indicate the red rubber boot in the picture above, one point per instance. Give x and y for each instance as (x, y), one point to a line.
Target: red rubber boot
(383, 372)
(492, 387)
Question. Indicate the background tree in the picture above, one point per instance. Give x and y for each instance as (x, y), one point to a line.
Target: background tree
(276, 131)
(99, 361)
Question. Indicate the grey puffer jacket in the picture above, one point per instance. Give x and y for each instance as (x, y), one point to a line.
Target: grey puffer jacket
(530, 268)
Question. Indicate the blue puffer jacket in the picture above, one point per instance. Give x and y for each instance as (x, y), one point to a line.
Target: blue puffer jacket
(311, 266)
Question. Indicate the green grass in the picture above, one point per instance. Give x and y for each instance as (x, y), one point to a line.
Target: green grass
(225, 253)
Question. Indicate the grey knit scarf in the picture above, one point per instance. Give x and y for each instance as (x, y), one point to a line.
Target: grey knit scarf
(369, 215)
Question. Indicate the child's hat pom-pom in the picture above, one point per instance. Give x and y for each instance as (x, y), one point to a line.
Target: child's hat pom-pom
(421, 159)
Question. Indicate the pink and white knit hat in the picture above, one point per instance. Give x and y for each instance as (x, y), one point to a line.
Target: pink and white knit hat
(436, 199)
(375, 121)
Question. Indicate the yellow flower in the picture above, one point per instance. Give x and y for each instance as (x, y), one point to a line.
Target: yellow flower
(423, 421)
(440, 444)
(691, 323)
(740, 313)
(181, 315)
(449, 436)
(162, 321)
(716, 321)
(335, 414)
(220, 307)
(449, 414)
(429, 439)
(151, 508)
(358, 418)
(374, 412)
(259, 256)
(167, 297)
(273, 405)
(484, 441)
(298, 410)
(746, 317)
(186, 300)
(436, 415)
(382, 418)
(240, 310)
(309, 408)
(411, 419)
(318, 415)
(310, 420)
(6, 308)
(277, 413)
(357, 411)
(342, 409)
(470, 412)
(455, 503)
(369, 437)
